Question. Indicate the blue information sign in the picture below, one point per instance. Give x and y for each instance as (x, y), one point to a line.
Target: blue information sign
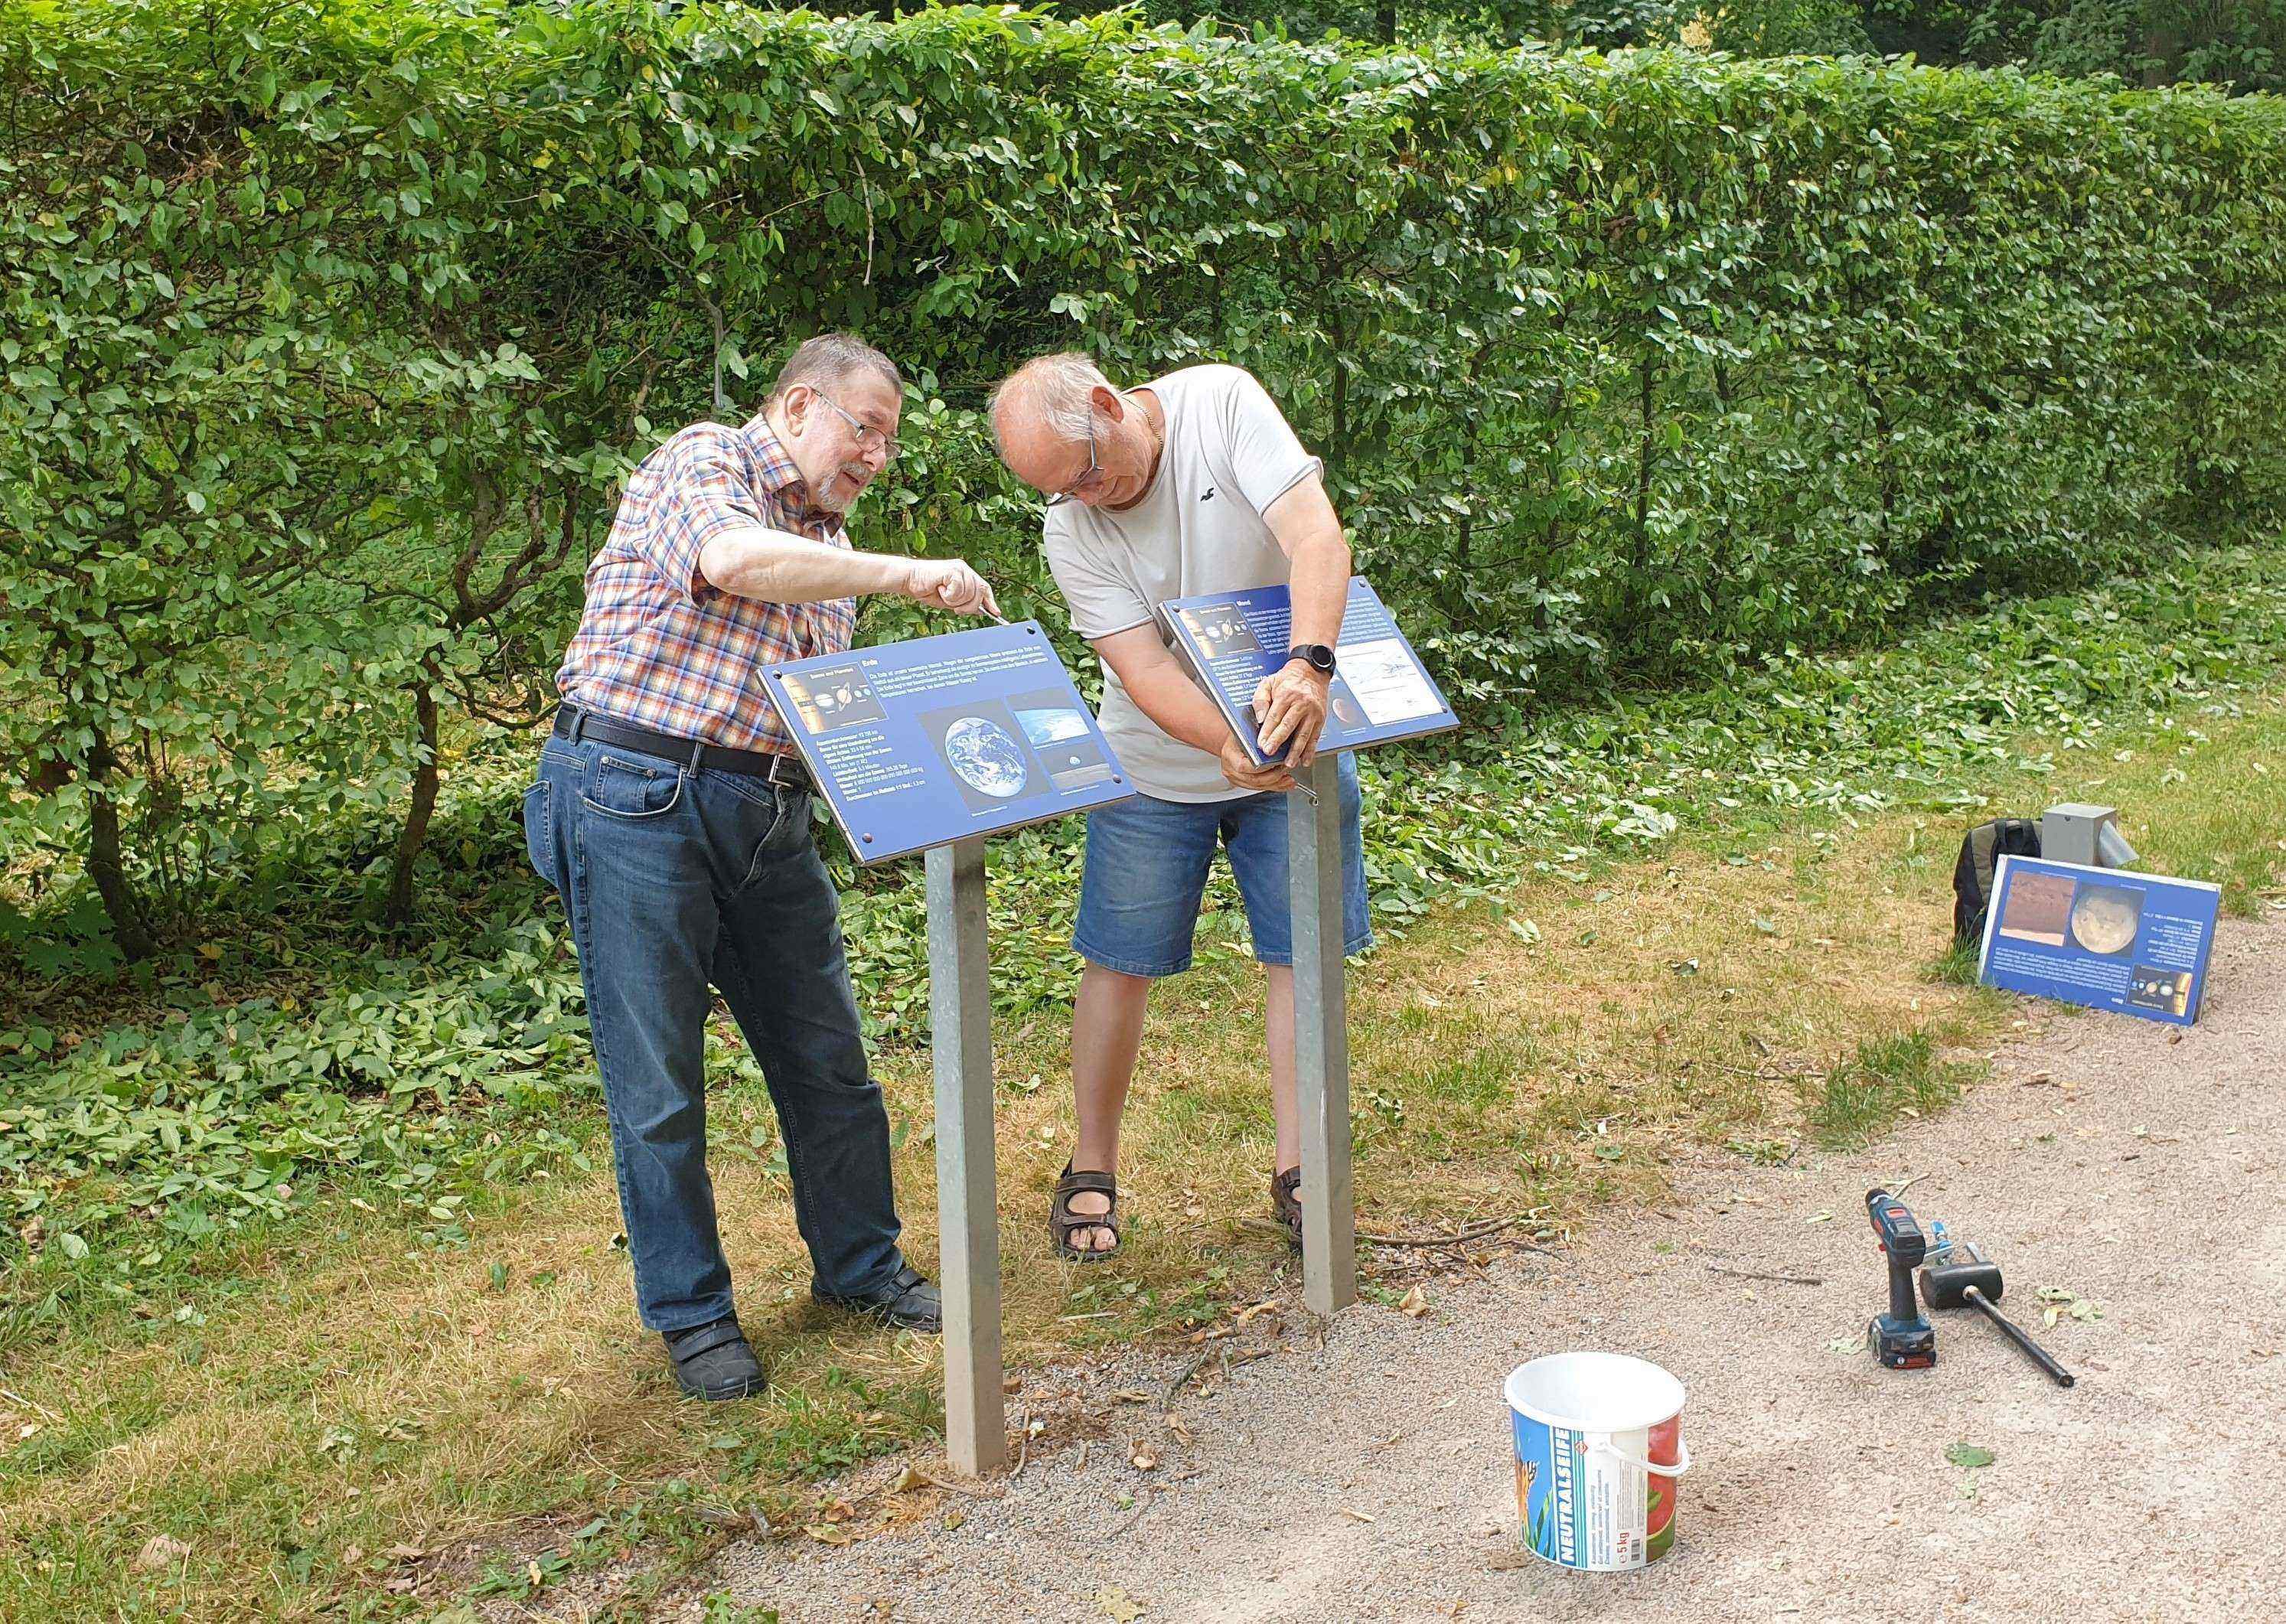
(2103, 937)
(1380, 691)
(921, 744)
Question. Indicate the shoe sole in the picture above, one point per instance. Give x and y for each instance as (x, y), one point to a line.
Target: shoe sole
(747, 1389)
(933, 1328)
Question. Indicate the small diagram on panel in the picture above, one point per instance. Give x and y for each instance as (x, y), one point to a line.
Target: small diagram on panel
(2168, 992)
(1220, 632)
(2104, 918)
(1387, 684)
(838, 697)
(1061, 738)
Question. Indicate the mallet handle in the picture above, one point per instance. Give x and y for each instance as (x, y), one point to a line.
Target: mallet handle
(2032, 1350)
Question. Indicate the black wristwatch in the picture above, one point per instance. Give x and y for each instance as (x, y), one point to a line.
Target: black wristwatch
(1321, 657)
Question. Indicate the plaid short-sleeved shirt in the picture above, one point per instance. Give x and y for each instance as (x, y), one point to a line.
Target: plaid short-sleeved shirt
(660, 646)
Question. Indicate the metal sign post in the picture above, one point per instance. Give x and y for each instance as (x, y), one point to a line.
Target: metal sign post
(968, 1216)
(931, 745)
(1321, 1042)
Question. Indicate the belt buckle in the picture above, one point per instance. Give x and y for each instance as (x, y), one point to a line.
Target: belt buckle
(787, 771)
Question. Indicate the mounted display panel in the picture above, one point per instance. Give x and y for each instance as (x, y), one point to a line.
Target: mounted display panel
(922, 743)
(1380, 692)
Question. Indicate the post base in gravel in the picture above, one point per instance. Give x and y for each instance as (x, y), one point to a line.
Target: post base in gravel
(968, 1216)
(1321, 1041)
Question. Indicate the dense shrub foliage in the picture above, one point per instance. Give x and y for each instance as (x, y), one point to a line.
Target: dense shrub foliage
(328, 330)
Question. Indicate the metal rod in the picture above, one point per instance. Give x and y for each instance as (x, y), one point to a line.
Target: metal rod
(969, 1220)
(1321, 1045)
(2033, 1350)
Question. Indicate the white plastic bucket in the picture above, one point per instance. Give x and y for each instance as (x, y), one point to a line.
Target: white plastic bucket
(1598, 1448)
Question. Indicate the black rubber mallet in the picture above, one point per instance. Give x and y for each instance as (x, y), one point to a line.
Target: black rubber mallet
(1967, 1278)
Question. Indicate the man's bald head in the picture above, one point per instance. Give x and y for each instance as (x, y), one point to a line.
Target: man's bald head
(1052, 390)
(1063, 427)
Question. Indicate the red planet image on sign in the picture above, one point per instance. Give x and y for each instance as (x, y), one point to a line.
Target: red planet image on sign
(2038, 907)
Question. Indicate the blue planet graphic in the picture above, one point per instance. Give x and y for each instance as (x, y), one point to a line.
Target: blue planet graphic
(988, 760)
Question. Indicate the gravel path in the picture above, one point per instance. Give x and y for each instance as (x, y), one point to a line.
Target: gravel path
(1369, 1478)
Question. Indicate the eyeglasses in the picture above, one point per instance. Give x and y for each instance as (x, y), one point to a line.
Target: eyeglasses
(868, 435)
(1087, 481)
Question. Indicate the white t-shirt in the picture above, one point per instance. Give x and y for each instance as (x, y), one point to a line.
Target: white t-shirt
(1199, 528)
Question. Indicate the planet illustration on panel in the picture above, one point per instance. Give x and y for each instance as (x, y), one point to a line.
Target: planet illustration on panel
(987, 759)
(2104, 918)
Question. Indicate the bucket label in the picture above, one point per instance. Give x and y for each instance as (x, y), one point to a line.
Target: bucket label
(1567, 1498)
(1586, 1507)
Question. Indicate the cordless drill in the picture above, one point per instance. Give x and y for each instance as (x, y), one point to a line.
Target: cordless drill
(1901, 1338)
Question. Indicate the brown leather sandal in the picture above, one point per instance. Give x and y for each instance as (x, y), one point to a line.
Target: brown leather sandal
(1063, 1223)
(1286, 1205)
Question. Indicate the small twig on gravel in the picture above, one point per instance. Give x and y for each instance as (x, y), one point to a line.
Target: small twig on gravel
(954, 1488)
(1142, 1504)
(1472, 1234)
(1189, 1370)
(1477, 1235)
(1899, 1193)
(1791, 1279)
(1023, 1443)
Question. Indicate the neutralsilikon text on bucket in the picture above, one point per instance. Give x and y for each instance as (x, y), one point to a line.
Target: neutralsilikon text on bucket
(1598, 1448)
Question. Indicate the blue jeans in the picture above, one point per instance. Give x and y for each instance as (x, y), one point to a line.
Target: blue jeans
(1147, 870)
(674, 879)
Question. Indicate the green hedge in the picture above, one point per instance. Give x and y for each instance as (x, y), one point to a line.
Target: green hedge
(329, 329)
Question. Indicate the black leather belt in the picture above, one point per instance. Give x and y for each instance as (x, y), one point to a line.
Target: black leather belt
(786, 771)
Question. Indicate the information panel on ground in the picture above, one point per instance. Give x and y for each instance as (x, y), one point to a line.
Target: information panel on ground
(1380, 691)
(921, 744)
(2107, 938)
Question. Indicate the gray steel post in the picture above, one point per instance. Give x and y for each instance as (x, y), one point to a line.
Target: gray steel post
(968, 1218)
(1321, 1042)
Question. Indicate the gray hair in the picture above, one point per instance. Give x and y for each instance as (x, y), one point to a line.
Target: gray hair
(829, 359)
(1059, 389)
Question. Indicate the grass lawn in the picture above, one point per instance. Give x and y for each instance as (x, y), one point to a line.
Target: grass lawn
(334, 1407)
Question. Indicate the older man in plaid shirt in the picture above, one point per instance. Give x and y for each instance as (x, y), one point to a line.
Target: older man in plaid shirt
(672, 815)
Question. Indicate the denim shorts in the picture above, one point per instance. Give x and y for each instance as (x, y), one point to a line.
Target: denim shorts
(1147, 870)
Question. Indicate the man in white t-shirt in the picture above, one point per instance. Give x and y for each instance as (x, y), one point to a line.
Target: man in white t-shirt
(1190, 484)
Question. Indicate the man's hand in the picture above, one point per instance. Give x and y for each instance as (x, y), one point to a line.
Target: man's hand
(1291, 703)
(1246, 775)
(949, 583)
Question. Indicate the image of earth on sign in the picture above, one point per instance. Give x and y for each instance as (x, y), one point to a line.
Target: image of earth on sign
(987, 759)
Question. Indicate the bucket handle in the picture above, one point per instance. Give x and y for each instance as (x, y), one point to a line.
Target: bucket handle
(1658, 1469)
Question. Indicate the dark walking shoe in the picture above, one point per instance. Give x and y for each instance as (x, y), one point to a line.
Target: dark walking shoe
(906, 1302)
(714, 1362)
